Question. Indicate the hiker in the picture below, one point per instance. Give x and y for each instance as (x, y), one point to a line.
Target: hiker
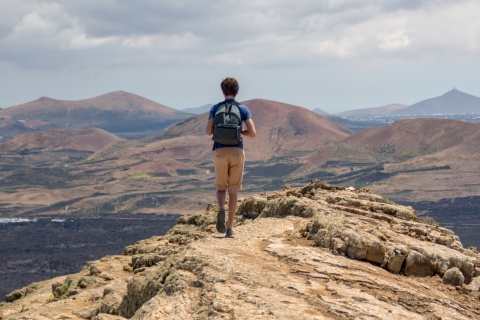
(225, 124)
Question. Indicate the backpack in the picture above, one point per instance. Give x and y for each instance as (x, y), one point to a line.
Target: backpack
(227, 124)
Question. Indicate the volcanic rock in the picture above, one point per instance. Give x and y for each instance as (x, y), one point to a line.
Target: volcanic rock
(317, 252)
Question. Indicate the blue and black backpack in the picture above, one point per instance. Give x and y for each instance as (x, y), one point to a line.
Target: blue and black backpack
(227, 124)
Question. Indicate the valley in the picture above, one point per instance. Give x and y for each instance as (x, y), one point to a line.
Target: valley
(45, 247)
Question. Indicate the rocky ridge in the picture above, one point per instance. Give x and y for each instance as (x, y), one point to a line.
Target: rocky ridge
(316, 252)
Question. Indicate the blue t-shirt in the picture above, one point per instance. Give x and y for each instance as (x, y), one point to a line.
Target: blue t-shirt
(244, 114)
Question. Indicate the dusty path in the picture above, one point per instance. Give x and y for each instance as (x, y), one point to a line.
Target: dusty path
(269, 272)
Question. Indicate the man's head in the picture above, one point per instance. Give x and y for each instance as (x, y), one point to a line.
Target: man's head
(229, 87)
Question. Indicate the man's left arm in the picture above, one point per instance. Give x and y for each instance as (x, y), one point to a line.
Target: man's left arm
(250, 131)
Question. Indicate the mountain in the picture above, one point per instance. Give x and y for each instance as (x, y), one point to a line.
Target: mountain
(409, 160)
(59, 139)
(198, 110)
(372, 112)
(313, 252)
(320, 111)
(120, 113)
(452, 102)
(416, 136)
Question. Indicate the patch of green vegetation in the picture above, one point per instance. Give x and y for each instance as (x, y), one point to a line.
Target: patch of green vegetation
(427, 220)
(408, 154)
(60, 289)
(362, 184)
(387, 148)
(101, 208)
(140, 176)
(80, 281)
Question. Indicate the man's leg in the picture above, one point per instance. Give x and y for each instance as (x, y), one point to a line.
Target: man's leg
(221, 211)
(237, 160)
(221, 182)
(232, 207)
(221, 198)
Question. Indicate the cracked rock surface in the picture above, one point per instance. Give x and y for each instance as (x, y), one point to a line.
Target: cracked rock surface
(317, 252)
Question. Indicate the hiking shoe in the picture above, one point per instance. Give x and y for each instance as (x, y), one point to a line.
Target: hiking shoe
(229, 233)
(221, 221)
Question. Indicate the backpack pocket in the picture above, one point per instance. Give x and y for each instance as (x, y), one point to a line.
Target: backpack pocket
(227, 134)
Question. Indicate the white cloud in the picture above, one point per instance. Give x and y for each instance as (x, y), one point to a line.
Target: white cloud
(196, 29)
(32, 25)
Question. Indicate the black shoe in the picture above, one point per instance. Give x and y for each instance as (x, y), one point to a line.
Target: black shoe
(221, 221)
(229, 233)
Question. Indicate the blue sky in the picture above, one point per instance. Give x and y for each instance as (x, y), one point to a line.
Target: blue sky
(335, 55)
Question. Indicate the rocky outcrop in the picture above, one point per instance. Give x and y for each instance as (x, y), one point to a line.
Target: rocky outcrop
(364, 226)
(317, 252)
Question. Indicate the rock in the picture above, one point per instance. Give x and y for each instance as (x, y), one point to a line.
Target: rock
(104, 316)
(15, 295)
(396, 259)
(453, 277)
(476, 272)
(145, 260)
(418, 265)
(376, 252)
(474, 285)
(316, 252)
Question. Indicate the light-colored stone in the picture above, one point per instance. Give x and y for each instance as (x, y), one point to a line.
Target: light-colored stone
(453, 277)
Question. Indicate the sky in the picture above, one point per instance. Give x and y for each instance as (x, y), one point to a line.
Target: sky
(335, 55)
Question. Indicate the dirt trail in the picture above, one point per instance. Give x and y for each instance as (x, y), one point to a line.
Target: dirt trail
(268, 271)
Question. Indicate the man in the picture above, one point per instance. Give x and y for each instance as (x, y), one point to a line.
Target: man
(229, 159)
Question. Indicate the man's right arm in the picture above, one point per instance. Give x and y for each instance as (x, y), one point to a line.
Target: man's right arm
(209, 129)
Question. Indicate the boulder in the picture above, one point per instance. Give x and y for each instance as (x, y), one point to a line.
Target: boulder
(453, 277)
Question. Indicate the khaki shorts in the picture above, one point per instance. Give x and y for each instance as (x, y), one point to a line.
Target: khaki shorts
(229, 164)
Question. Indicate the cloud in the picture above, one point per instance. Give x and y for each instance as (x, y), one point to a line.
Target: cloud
(249, 32)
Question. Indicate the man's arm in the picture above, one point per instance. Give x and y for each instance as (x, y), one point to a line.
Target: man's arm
(209, 129)
(250, 131)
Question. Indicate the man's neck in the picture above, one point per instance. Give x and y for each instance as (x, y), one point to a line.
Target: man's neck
(229, 97)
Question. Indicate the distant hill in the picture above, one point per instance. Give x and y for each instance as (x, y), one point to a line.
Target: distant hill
(198, 110)
(320, 111)
(452, 102)
(416, 136)
(409, 160)
(60, 139)
(368, 112)
(355, 125)
(121, 113)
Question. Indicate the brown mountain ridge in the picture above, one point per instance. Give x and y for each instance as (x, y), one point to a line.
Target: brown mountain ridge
(410, 160)
(121, 113)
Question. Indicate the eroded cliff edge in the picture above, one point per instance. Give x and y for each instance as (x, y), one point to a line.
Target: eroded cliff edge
(317, 252)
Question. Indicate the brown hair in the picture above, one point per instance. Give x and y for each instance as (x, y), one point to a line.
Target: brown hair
(229, 87)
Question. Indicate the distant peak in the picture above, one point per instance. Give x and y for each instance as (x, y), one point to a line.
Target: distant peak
(455, 91)
(45, 99)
